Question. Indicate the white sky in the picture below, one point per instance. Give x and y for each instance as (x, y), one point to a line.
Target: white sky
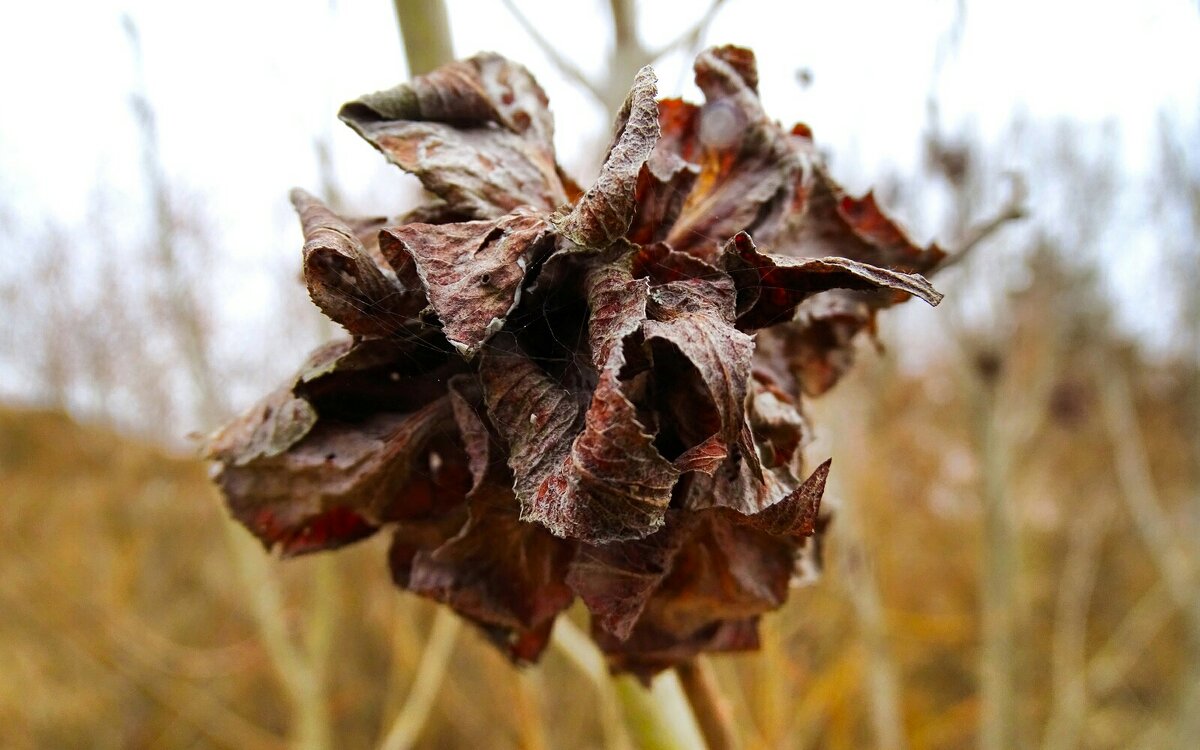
(243, 88)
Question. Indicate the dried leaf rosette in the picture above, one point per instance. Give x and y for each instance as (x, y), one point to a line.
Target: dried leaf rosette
(550, 393)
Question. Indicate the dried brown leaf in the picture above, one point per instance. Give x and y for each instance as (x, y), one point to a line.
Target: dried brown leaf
(663, 185)
(346, 282)
(307, 470)
(472, 272)
(593, 476)
(354, 476)
(615, 580)
(829, 222)
(352, 379)
(476, 132)
(722, 578)
(606, 210)
(769, 287)
(500, 572)
(621, 434)
(692, 310)
(748, 166)
(794, 514)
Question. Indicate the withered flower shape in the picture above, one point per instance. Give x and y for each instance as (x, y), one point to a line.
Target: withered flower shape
(551, 393)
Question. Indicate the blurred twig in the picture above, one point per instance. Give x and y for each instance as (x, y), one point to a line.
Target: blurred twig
(1075, 588)
(999, 574)
(318, 643)
(691, 37)
(830, 686)
(769, 693)
(626, 56)
(1129, 640)
(301, 679)
(565, 66)
(582, 652)
(1175, 560)
(1012, 210)
(531, 734)
(184, 313)
(861, 586)
(1140, 494)
(659, 718)
(431, 672)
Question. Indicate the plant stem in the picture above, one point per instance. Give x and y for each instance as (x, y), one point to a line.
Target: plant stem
(659, 718)
(862, 587)
(312, 724)
(425, 30)
(997, 678)
(708, 705)
(582, 652)
(431, 672)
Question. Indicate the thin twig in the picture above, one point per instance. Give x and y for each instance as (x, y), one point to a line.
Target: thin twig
(863, 589)
(1139, 492)
(565, 66)
(659, 718)
(1129, 640)
(655, 720)
(1012, 210)
(1076, 585)
(1176, 564)
(310, 715)
(767, 700)
(708, 705)
(690, 37)
(531, 733)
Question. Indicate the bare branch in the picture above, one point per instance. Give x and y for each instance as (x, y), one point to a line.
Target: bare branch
(1127, 643)
(565, 66)
(691, 37)
(1132, 465)
(1012, 210)
(625, 37)
(1068, 656)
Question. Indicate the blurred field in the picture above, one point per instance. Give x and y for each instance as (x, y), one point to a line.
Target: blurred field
(130, 616)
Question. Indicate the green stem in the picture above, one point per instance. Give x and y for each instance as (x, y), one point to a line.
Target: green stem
(659, 718)
(425, 30)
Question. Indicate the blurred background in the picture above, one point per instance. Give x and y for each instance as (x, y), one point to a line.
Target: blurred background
(1014, 560)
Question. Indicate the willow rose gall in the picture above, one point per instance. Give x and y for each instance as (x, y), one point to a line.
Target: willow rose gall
(551, 393)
